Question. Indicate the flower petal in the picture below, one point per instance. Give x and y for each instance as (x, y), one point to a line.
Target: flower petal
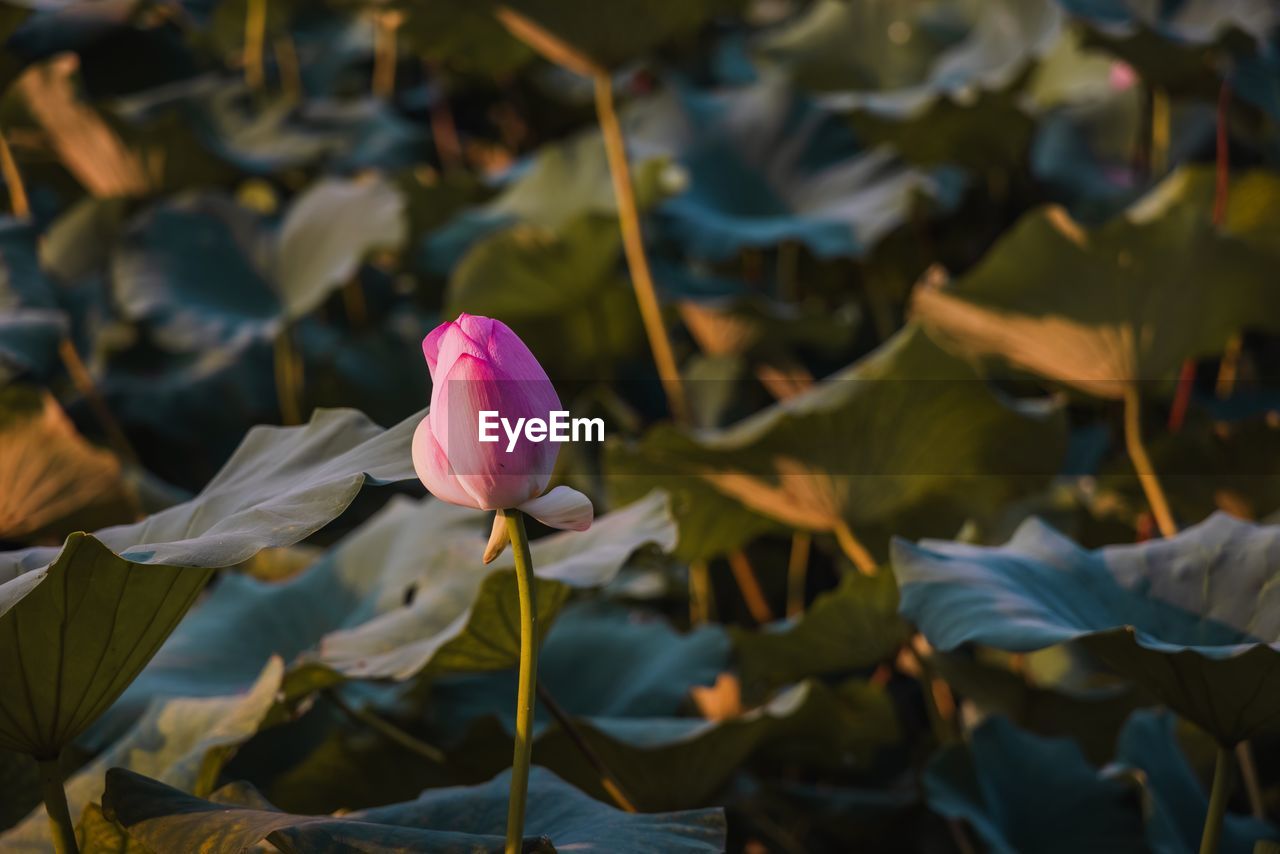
(563, 507)
(499, 538)
(495, 478)
(433, 469)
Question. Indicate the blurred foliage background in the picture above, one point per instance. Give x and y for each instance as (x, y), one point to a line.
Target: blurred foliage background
(925, 268)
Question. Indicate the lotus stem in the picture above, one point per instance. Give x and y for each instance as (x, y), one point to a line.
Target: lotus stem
(1142, 463)
(1218, 795)
(1222, 160)
(1161, 131)
(83, 381)
(1182, 395)
(18, 202)
(1229, 367)
(528, 680)
(1249, 773)
(701, 608)
(286, 54)
(55, 804)
(288, 379)
(354, 305)
(255, 34)
(444, 130)
(749, 585)
(384, 52)
(388, 730)
(797, 572)
(557, 50)
(854, 549)
(608, 780)
(633, 248)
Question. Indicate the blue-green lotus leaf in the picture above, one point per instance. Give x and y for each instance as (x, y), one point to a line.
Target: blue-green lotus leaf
(766, 165)
(1177, 802)
(677, 762)
(931, 50)
(1192, 618)
(462, 820)
(186, 269)
(1023, 793)
(599, 661)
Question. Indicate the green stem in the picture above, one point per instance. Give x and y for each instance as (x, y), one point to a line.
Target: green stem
(1222, 771)
(528, 681)
(55, 804)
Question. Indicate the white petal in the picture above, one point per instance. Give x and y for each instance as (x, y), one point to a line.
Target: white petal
(562, 507)
(499, 538)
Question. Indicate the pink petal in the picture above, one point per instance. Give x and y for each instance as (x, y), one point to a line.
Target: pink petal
(513, 357)
(432, 467)
(451, 343)
(495, 478)
(563, 507)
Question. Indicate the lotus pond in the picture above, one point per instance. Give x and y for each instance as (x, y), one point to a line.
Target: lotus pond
(927, 360)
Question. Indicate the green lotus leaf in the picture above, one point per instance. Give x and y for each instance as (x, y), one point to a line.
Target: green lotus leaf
(1101, 309)
(1180, 48)
(1093, 719)
(1190, 618)
(326, 233)
(631, 30)
(560, 185)
(183, 742)
(559, 290)
(907, 439)
(1176, 799)
(461, 819)
(19, 787)
(404, 592)
(52, 481)
(122, 590)
(679, 762)
(855, 625)
(600, 660)
(1020, 792)
(1203, 469)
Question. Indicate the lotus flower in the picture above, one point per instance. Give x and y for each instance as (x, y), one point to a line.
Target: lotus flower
(478, 364)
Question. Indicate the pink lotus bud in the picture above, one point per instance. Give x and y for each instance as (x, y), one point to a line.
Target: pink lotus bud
(1122, 76)
(479, 365)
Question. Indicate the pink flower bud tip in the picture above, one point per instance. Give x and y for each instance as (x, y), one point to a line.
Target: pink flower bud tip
(478, 364)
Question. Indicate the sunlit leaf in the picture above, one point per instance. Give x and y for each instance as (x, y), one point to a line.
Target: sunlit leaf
(906, 439)
(1103, 308)
(51, 479)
